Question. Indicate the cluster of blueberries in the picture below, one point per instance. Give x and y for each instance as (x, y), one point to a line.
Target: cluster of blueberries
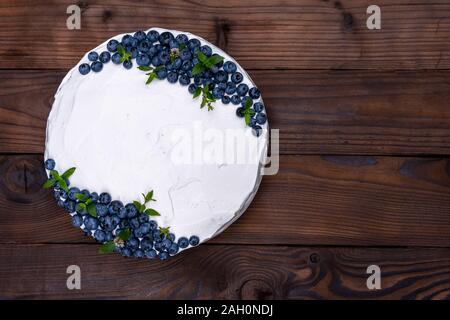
(175, 58)
(113, 217)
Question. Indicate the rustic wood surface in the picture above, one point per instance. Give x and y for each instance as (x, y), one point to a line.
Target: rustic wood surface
(364, 136)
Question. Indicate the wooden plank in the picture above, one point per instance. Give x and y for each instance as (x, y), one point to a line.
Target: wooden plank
(326, 200)
(288, 34)
(317, 112)
(225, 272)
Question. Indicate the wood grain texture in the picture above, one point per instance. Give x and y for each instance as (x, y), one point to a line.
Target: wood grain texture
(225, 272)
(268, 34)
(317, 112)
(326, 200)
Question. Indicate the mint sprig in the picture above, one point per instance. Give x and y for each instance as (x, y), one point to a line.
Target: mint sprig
(118, 241)
(152, 74)
(165, 231)
(205, 63)
(142, 207)
(59, 180)
(86, 204)
(207, 97)
(248, 112)
(124, 55)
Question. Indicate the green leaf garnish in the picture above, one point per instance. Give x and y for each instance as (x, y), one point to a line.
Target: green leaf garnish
(91, 209)
(248, 112)
(151, 212)
(205, 63)
(81, 206)
(63, 185)
(68, 173)
(165, 231)
(182, 46)
(213, 60)
(145, 68)
(49, 183)
(148, 197)
(139, 206)
(198, 68)
(124, 55)
(107, 247)
(207, 97)
(197, 92)
(124, 234)
(81, 196)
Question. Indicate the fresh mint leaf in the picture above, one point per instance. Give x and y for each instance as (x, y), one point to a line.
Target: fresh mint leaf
(152, 212)
(124, 234)
(197, 92)
(145, 68)
(124, 55)
(202, 57)
(182, 46)
(198, 68)
(91, 209)
(107, 247)
(54, 174)
(213, 60)
(49, 183)
(165, 231)
(63, 185)
(140, 207)
(81, 196)
(81, 206)
(148, 197)
(68, 173)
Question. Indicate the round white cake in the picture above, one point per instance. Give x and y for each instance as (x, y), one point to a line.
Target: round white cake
(125, 138)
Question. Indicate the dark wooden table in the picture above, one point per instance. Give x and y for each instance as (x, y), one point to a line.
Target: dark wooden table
(364, 120)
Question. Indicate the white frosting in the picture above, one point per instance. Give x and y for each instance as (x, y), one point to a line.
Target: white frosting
(119, 134)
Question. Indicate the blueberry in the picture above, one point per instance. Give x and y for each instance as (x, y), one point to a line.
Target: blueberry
(86, 193)
(175, 65)
(140, 35)
(226, 99)
(166, 243)
(72, 192)
(134, 223)
(144, 228)
(109, 236)
(185, 80)
(165, 37)
(254, 93)
(49, 164)
(155, 61)
(108, 223)
(237, 77)
(158, 245)
(100, 235)
(116, 58)
(182, 38)
(252, 122)
(153, 224)
(206, 50)
(231, 88)
(261, 118)
(186, 66)
(172, 77)
(153, 35)
(240, 112)
(151, 254)
(229, 67)
(242, 89)
(101, 209)
(132, 242)
(131, 210)
(77, 220)
(115, 206)
(61, 203)
(235, 99)
(144, 46)
(105, 56)
(156, 235)
(183, 242)
(221, 76)
(171, 236)
(104, 198)
(127, 64)
(57, 195)
(112, 45)
(163, 256)
(162, 73)
(173, 249)
(163, 57)
(257, 130)
(143, 60)
(126, 40)
(87, 232)
(96, 66)
(90, 223)
(84, 68)
(126, 252)
(193, 43)
(93, 56)
(173, 44)
(143, 218)
(124, 223)
(258, 106)
(146, 244)
(194, 240)
(218, 93)
(185, 55)
(214, 69)
(139, 253)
